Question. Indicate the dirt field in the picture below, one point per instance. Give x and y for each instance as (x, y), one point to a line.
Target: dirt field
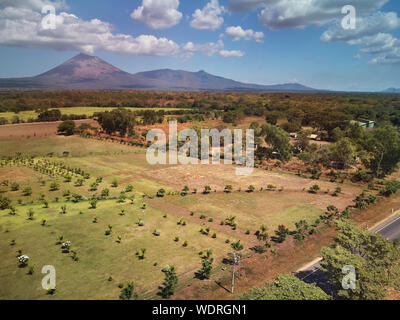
(35, 130)
(218, 176)
(258, 269)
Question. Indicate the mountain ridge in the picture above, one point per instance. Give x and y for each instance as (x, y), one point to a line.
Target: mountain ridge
(89, 72)
(391, 90)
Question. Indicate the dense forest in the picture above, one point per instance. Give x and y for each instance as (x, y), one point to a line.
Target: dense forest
(328, 115)
(372, 106)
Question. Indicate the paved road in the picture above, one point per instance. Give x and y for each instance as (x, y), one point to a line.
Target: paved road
(390, 229)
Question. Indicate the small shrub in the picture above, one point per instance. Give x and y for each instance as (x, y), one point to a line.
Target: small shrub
(108, 231)
(93, 203)
(30, 214)
(114, 183)
(23, 260)
(127, 292)
(51, 291)
(314, 189)
(161, 193)
(260, 249)
(65, 246)
(31, 269)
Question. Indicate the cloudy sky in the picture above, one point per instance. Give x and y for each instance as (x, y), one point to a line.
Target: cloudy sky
(258, 41)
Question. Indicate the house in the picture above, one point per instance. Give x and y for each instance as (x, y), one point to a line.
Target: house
(363, 123)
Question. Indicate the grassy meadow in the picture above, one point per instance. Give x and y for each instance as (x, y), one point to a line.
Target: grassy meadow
(104, 262)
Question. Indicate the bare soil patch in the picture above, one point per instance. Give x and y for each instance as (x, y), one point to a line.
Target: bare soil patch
(36, 129)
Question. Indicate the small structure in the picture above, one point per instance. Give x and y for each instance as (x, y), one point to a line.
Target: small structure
(276, 155)
(363, 123)
(313, 137)
(293, 135)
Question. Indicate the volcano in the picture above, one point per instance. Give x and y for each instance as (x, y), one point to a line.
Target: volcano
(92, 73)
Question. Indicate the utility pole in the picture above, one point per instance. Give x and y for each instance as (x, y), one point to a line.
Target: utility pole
(239, 258)
(233, 272)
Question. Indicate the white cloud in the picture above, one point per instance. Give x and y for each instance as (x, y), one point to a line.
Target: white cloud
(33, 4)
(208, 49)
(208, 18)
(158, 14)
(237, 33)
(366, 26)
(231, 53)
(302, 13)
(245, 5)
(370, 33)
(384, 46)
(380, 43)
(22, 27)
(280, 14)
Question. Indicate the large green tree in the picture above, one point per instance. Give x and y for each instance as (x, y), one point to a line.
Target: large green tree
(67, 127)
(118, 120)
(376, 262)
(279, 140)
(286, 287)
(343, 152)
(384, 147)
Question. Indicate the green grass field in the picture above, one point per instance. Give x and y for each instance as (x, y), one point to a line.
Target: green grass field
(100, 256)
(88, 111)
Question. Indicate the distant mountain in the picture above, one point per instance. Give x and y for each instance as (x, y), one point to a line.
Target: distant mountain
(88, 72)
(391, 90)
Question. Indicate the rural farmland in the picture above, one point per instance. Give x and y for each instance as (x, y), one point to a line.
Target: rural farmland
(191, 159)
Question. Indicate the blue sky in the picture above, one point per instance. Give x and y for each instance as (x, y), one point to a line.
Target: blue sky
(258, 41)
